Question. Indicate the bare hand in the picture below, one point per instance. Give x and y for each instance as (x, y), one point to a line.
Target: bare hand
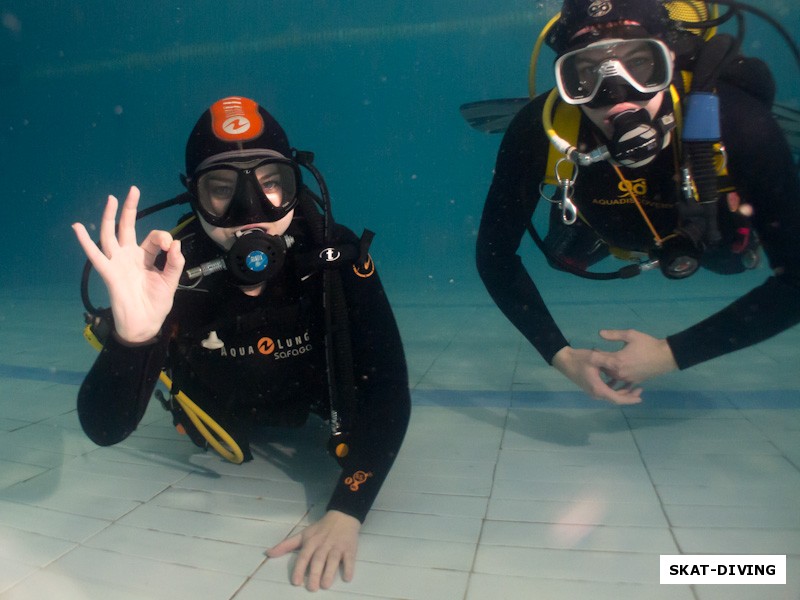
(642, 357)
(588, 369)
(613, 376)
(141, 295)
(324, 546)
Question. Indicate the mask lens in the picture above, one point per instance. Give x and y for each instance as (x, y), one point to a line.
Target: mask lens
(580, 76)
(644, 64)
(239, 193)
(215, 191)
(277, 183)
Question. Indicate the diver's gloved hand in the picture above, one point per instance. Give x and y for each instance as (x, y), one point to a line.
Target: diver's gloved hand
(141, 295)
(590, 371)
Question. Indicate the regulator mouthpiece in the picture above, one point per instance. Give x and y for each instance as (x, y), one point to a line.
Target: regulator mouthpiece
(255, 257)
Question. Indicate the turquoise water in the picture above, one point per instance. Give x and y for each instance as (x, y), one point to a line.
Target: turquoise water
(511, 482)
(98, 96)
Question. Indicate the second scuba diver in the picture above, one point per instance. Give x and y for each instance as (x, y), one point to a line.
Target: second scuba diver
(641, 176)
(281, 314)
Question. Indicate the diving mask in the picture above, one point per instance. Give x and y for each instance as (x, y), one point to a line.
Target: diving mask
(241, 188)
(644, 64)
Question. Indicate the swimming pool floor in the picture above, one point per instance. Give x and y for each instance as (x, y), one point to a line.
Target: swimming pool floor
(511, 484)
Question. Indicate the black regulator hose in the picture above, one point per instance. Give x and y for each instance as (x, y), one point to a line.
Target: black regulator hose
(338, 345)
(625, 272)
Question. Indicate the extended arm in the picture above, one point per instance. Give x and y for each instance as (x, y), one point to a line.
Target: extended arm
(509, 206)
(760, 162)
(115, 393)
(378, 427)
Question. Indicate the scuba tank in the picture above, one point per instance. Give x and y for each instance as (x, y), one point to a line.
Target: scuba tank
(710, 58)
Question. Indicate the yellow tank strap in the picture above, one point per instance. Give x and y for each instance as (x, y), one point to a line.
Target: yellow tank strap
(219, 439)
(179, 227)
(537, 48)
(566, 122)
(92, 338)
(677, 107)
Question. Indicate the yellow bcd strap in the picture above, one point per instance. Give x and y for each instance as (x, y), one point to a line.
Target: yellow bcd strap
(199, 418)
(219, 439)
(566, 121)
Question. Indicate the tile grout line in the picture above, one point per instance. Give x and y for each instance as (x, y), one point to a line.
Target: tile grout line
(488, 503)
(657, 493)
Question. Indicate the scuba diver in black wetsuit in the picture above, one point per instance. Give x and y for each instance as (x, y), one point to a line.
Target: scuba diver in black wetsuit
(640, 176)
(280, 314)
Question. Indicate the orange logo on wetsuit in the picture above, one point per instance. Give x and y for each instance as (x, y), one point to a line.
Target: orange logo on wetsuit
(365, 270)
(357, 479)
(266, 345)
(236, 119)
(277, 348)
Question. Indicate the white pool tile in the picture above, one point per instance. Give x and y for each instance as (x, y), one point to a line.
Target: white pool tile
(511, 482)
(53, 583)
(383, 581)
(584, 565)
(48, 437)
(187, 550)
(236, 530)
(15, 472)
(96, 463)
(487, 587)
(588, 510)
(782, 494)
(412, 552)
(291, 491)
(69, 500)
(735, 517)
(394, 500)
(32, 549)
(609, 490)
(7, 424)
(569, 536)
(789, 591)
(148, 578)
(12, 572)
(48, 522)
(232, 505)
(431, 484)
(721, 470)
(571, 467)
(720, 540)
(423, 527)
(603, 430)
(259, 589)
(93, 484)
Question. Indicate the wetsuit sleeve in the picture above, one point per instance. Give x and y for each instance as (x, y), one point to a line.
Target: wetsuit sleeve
(509, 206)
(115, 393)
(760, 163)
(383, 399)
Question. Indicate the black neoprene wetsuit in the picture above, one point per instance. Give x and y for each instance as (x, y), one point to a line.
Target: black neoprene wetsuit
(271, 369)
(760, 165)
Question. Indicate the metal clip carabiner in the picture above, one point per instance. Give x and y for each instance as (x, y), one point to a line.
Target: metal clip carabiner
(569, 212)
(566, 185)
